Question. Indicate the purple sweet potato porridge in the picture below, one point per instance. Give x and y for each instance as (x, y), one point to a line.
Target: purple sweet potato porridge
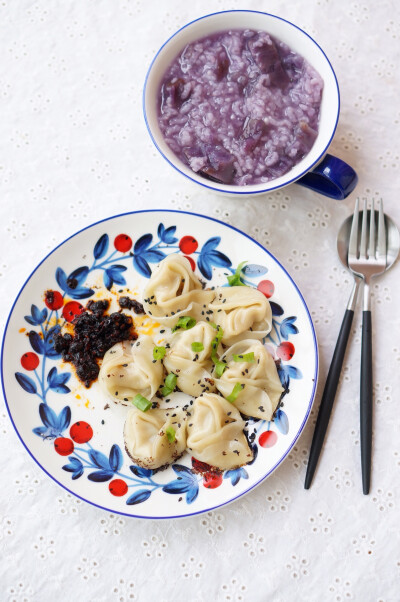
(240, 107)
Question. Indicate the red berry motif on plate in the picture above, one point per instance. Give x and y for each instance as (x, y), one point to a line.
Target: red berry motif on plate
(123, 243)
(268, 439)
(30, 361)
(118, 487)
(81, 432)
(285, 351)
(53, 299)
(201, 467)
(64, 446)
(71, 310)
(191, 261)
(188, 245)
(266, 287)
(211, 480)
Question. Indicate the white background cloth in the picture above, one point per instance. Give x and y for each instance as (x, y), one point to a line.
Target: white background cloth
(74, 149)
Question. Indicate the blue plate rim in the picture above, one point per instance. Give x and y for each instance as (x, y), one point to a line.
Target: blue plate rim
(315, 377)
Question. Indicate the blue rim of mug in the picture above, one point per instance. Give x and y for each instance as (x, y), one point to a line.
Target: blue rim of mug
(234, 190)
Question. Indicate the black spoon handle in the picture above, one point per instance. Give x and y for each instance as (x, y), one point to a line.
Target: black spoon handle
(328, 396)
(366, 401)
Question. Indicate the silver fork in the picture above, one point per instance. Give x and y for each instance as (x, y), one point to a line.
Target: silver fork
(367, 258)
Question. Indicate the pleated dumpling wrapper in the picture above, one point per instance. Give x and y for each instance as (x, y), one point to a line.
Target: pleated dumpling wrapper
(262, 387)
(242, 312)
(155, 438)
(192, 368)
(128, 369)
(174, 291)
(215, 433)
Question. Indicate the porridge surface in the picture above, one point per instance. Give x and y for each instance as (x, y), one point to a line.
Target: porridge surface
(240, 107)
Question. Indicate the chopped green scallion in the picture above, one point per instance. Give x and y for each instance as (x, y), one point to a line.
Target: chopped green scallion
(170, 432)
(219, 369)
(244, 357)
(141, 403)
(170, 381)
(234, 280)
(184, 322)
(197, 346)
(169, 384)
(214, 344)
(235, 392)
(159, 353)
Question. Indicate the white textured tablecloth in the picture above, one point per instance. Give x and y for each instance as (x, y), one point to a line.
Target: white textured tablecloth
(74, 149)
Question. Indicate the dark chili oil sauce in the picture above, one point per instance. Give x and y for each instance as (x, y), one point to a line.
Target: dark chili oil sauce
(128, 303)
(95, 332)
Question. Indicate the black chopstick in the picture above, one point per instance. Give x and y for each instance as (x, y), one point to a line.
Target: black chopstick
(328, 396)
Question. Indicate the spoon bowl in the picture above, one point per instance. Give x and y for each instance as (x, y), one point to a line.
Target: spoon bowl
(393, 240)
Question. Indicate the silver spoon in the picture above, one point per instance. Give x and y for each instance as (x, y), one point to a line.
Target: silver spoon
(328, 396)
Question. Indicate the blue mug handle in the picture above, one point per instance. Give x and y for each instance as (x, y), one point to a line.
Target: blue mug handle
(332, 177)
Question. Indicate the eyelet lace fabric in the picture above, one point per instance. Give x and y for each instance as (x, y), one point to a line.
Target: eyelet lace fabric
(74, 149)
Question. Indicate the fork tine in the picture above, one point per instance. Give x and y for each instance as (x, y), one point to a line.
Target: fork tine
(381, 232)
(363, 243)
(353, 242)
(371, 245)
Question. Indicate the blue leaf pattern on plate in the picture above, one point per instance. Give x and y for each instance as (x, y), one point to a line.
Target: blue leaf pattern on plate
(100, 476)
(253, 270)
(77, 292)
(141, 472)
(138, 497)
(166, 235)
(115, 273)
(99, 459)
(141, 266)
(37, 317)
(185, 483)
(57, 382)
(209, 257)
(79, 275)
(115, 458)
(48, 416)
(108, 281)
(287, 327)
(26, 383)
(143, 243)
(236, 474)
(153, 256)
(276, 309)
(101, 247)
(281, 422)
(75, 466)
(36, 342)
(64, 419)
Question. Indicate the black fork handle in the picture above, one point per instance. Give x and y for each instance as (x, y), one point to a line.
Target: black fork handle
(328, 396)
(366, 409)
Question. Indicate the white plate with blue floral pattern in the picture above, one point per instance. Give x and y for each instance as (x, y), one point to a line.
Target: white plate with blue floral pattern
(73, 433)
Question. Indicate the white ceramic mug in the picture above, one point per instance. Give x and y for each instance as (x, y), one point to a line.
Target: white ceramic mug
(318, 170)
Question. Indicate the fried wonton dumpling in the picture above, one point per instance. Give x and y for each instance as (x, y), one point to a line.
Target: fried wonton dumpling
(146, 436)
(215, 433)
